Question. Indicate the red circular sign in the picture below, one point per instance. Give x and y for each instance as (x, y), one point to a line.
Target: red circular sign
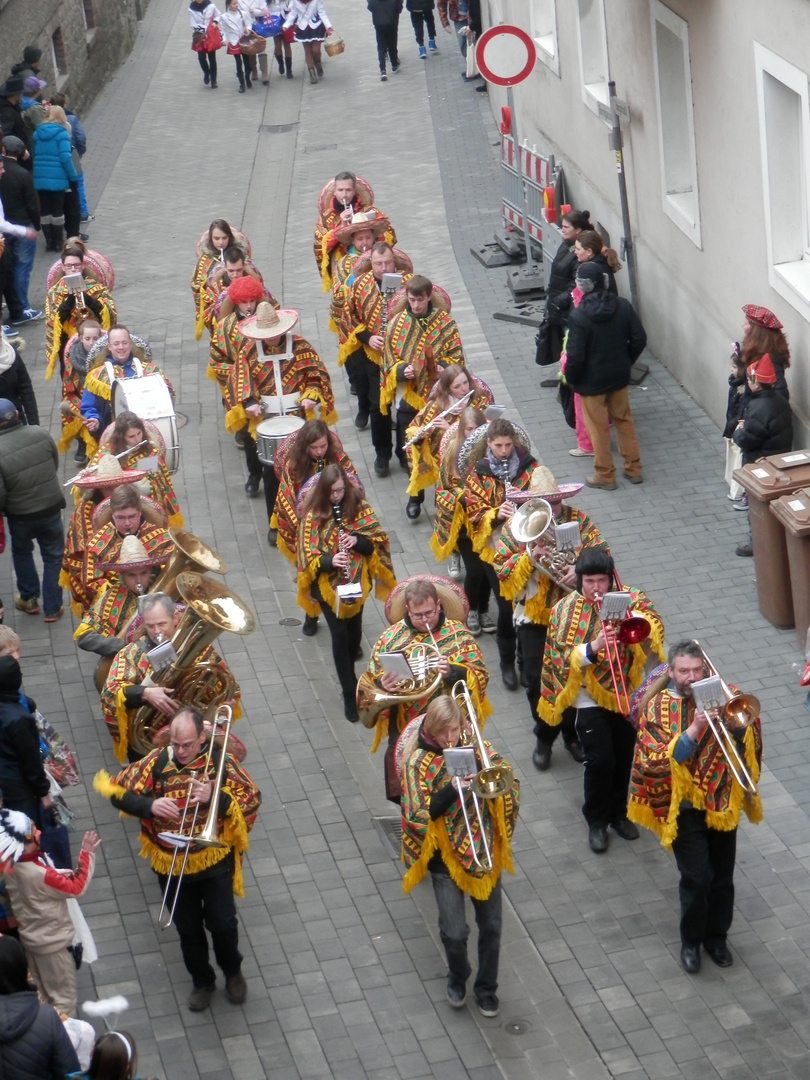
(505, 55)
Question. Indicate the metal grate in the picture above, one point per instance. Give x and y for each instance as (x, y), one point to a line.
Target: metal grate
(391, 831)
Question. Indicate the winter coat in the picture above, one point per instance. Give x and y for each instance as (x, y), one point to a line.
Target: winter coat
(29, 481)
(384, 12)
(560, 283)
(15, 385)
(602, 262)
(605, 338)
(39, 894)
(33, 1042)
(234, 25)
(22, 774)
(53, 166)
(11, 121)
(767, 426)
(420, 5)
(78, 136)
(737, 400)
(20, 202)
(201, 13)
(33, 113)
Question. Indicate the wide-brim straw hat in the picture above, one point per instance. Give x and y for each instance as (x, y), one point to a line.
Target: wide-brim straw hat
(363, 221)
(156, 441)
(109, 474)
(544, 486)
(362, 265)
(132, 556)
(268, 322)
(455, 604)
(151, 511)
(439, 299)
(471, 447)
(363, 188)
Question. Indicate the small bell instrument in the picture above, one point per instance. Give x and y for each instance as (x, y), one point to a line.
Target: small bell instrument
(736, 712)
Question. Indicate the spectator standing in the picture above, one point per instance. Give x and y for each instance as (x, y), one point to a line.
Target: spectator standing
(561, 279)
(31, 498)
(311, 25)
(201, 15)
(32, 110)
(15, 383)
(53, 173)
(78, 148)
(32, 54)
(421, 16)
(26, 785)
(385, 16)
(115, 1057)
(11, 121)
(20, 203)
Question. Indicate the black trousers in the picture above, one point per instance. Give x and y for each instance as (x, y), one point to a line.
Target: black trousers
(405, 415)
(52, 207)
(346, 637)
(364, 375)
(267, 472)
(242, 68)
(705, 859)
(73, 213)
(608, 741)
(205, 900)
(7, 289)
(505, 636)
(532, 641)
(420, 19)
(208, 62)
(387, 44)
(476, 583)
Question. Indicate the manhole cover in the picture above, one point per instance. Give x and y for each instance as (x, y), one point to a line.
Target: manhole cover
(289, 622)
(181, 419)
(516, 1027)
(391, 829)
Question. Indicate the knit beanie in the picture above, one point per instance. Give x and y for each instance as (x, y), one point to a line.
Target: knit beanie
(590, 277)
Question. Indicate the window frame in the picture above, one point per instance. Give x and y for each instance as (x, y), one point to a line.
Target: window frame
(546, 42)
(589, 95)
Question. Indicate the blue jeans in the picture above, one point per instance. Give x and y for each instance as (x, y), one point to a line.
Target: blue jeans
(50, 536)
(82, 197)
(21, 253)
(453, 931)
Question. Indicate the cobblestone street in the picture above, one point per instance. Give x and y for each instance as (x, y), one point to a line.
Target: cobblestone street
(346, 974)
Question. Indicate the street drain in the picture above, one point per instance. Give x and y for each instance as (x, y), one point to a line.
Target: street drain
(516, 1027)
(391, 830)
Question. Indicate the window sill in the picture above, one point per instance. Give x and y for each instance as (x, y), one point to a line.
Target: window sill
(792, 281)
(90, 37)
(594, 95)
(546, 49)
(61, 82)
(682, 209)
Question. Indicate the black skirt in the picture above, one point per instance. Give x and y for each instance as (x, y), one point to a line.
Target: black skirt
(311, 33)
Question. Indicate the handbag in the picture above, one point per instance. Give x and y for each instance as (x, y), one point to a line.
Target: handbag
(213, 37)
(544, 354)
(197, 39)
(267, 26)
(251, 44)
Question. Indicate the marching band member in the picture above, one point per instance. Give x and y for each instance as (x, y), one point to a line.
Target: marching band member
(64, 310)
(77, 351)
(341, 543)
(500, 463)
(120, 350)
(235, 266)
(156, 789)
(577, 672)
(435, 838)
(425, 611)
(683, 789)
(211, 249)
(339, 200)
(525, 581)
(358, 238)
(128, 437)
(227, 342)
(421, 340)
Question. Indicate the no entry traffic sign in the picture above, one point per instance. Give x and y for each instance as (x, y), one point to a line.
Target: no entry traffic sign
(505, 55)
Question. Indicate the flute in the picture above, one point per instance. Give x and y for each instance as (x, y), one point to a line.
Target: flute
(452, 410)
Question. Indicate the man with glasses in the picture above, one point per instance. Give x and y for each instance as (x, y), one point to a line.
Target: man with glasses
(66, 307)
(156, 789)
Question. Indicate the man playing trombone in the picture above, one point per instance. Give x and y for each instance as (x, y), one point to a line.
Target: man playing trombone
(590, 664)
(157, 789)
(687, 787)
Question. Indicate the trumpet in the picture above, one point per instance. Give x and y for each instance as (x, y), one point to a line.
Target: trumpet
(629, 630)
(737, 711)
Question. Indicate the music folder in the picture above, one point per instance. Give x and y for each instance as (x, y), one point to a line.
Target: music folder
(396, 663)
(708, 693)
(460, 761)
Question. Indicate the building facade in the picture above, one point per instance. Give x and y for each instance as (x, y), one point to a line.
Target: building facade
(716, 155)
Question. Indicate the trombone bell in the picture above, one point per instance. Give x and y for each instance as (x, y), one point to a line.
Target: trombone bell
(492, 782)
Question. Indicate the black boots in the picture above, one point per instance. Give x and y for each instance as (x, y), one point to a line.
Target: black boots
(280, 62)
(241, 83)
(288, 65)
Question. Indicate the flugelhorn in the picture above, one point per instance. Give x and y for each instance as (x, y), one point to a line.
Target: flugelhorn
(737, 711)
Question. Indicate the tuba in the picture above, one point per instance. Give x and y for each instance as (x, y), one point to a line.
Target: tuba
(211, 609)
(371, 699)
(190, 553)
(531, 521)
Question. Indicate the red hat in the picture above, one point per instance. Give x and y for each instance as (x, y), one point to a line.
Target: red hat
(757, 314)
(762, 370)
(245, 288)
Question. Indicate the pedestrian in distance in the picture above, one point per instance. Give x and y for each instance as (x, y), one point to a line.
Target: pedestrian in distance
(235, 25)
(20, 203)
(421, 12)
(53, 173)
(385, 16)
(15, 382)
(311, 25)
(205, 37)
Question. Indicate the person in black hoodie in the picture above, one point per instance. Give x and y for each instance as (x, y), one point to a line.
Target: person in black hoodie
(589, 247)
(385, 16)
(561, 277)
(15, 382)
(605, 338)
(23, 779)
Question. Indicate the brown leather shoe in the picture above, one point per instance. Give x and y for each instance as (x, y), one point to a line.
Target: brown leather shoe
(200, 998)
(606, 485)
(236, 988)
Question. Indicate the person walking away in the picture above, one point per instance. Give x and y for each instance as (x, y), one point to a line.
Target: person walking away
(19, 201)
(202, 14)
(385, 16)
(311, 25)
(53, 173)
(78, 146)
(283, 39)
(235, 25)
(422, 15)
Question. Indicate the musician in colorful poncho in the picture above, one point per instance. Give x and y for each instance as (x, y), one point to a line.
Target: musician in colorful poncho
(534, 593)
(421, 339)
(338, 202)
(155, 789)
(61, 315)
(576, 672)
(358, 238)
(435, 838)
(220, 278)
(683, 789)
(211, 248)
(425, 610)
(125, 355)
(340, 542)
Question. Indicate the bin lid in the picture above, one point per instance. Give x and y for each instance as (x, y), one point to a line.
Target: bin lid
(771, 477)
(794, 511)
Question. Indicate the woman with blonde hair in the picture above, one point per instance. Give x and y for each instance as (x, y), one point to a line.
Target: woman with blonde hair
(53, 173)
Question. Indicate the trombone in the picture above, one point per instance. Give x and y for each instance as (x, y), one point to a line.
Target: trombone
(629, 630)
(186, 840)
(489, 783)
(737, 710)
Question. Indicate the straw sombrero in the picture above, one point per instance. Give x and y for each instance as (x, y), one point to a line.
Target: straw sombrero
(362, 222)
(100, 352)
(362, 264)
(109, 474)
(471, 447)
(407, 738)
(363, 188)
(544, 486)
(453, 598)
(309, 484)
(439, 299)
(151, 511)
(268, 323)
(132, 556)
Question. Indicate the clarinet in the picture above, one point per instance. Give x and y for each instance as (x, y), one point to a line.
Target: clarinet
(347, 574)
(507, 483)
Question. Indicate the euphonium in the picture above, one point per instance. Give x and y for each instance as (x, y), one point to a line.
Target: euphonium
(372, 699)
(531, 521)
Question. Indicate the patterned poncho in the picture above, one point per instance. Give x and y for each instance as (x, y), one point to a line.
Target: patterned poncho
(658, 783)
(363, 312)
(424, 774)
(79, 531)
(158, 776)
(285, 514)
(341, 283)
(161, 488)
(428, 343)
(57, 332)
(451, 513)
(575, 621)
(423, 456)
(522, 581)
(214, 288)
(205, 264)
(111, 612)
(104, 546)
(456, 643)
(73, 377)
(483, 495)
(317, 537)
(326, 247)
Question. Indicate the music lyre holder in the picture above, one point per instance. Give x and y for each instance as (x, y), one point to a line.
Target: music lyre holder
(708, 693)
(567, 536)
(613, 606)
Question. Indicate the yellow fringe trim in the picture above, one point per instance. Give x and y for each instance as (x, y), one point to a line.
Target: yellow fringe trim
(53, 356)
(373, 355)
(518, 576)
(421, 452)
(199, 322)
(103, 784)
(281, 545)
(380, 730)
(482, 534)
(211, 374)
(333, 326)
(235, 419)
(120, 744)
(96, 386)
(71, 429)
(350, 345)
(441, 551)
(175, 520)
(326, 272)
(410, 397)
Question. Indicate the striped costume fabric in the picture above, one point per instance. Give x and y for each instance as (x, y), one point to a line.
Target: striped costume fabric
(428, 343)
(483, 495)
(111, 611)
(77, 536)
(57, 333)
(451, 513)
(285, 514)
(326, 247)
(423, 456)
(104, 546)
(363, 309)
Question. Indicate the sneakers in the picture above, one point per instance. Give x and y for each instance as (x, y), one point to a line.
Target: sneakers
(422, 52)
(383, 77)
(10, 333)
(236, 988)
(381, 467)
(576, 452)
(92, 217)
(742, 504)
(488, 1005)
(395, 67)
(456, 993)
(29, 606)
(29, 315)
(454, 566)
(487, 625)
(595, 482)
(432, 46)
(310, 627)
(474, 623)
(55, 616)
(200, 998)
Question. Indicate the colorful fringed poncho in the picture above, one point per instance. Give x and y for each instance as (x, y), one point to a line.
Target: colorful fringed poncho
(575, 621)
(522, 582)
(79, 531)
(428, 343)
(424, 775)
(61, 320)
(111, 612)
(205, 264)
(483, 495)
(158, 776)
(160, 483)
(318, 537)
(285, 514)
(658, 783)
(214, 290)
(326, 247)
(74, 361)
(457, 644)
(342, 281)
(451, 513)
(423, 456)
(363, 311)
(104, 546)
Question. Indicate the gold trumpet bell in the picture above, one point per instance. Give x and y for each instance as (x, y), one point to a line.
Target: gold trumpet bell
(215, 604)
(493, 781)
(740, 711)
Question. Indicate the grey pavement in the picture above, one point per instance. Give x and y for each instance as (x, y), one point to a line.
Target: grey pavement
(346, 974)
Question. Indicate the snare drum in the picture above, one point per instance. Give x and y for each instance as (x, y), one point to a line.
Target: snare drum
(149, 398)
(271, 432)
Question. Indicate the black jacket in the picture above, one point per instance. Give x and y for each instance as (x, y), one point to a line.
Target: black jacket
(11, 121)
(605, 338)
(29, 482)
(22, 774)
(560, 283)
(738, 397)
(20, 201)
(767, 426)
(601, 261)
(33, 1042)
(15, 385)
(384, 12)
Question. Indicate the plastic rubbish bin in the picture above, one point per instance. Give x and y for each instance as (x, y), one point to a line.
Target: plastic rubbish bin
(794, 513)
(764, 481)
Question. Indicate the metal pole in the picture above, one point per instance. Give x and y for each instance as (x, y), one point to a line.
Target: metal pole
(629, 250)
(510, 99)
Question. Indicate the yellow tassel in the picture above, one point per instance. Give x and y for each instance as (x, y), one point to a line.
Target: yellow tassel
(90, 444)
(235, 419)
(120, 744)
(69, 431)
(380, 731)
(199, 322)
(176, 520)
(76, 608)
(161, 860)
(425, 478)
(441, 551)
(103, 784)
(54, 353)
(388, 390)
(326, 273)
(410, 396)
(105, 318)
(482, 533)
(97, 386)
(211, 374)
(518, 576)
